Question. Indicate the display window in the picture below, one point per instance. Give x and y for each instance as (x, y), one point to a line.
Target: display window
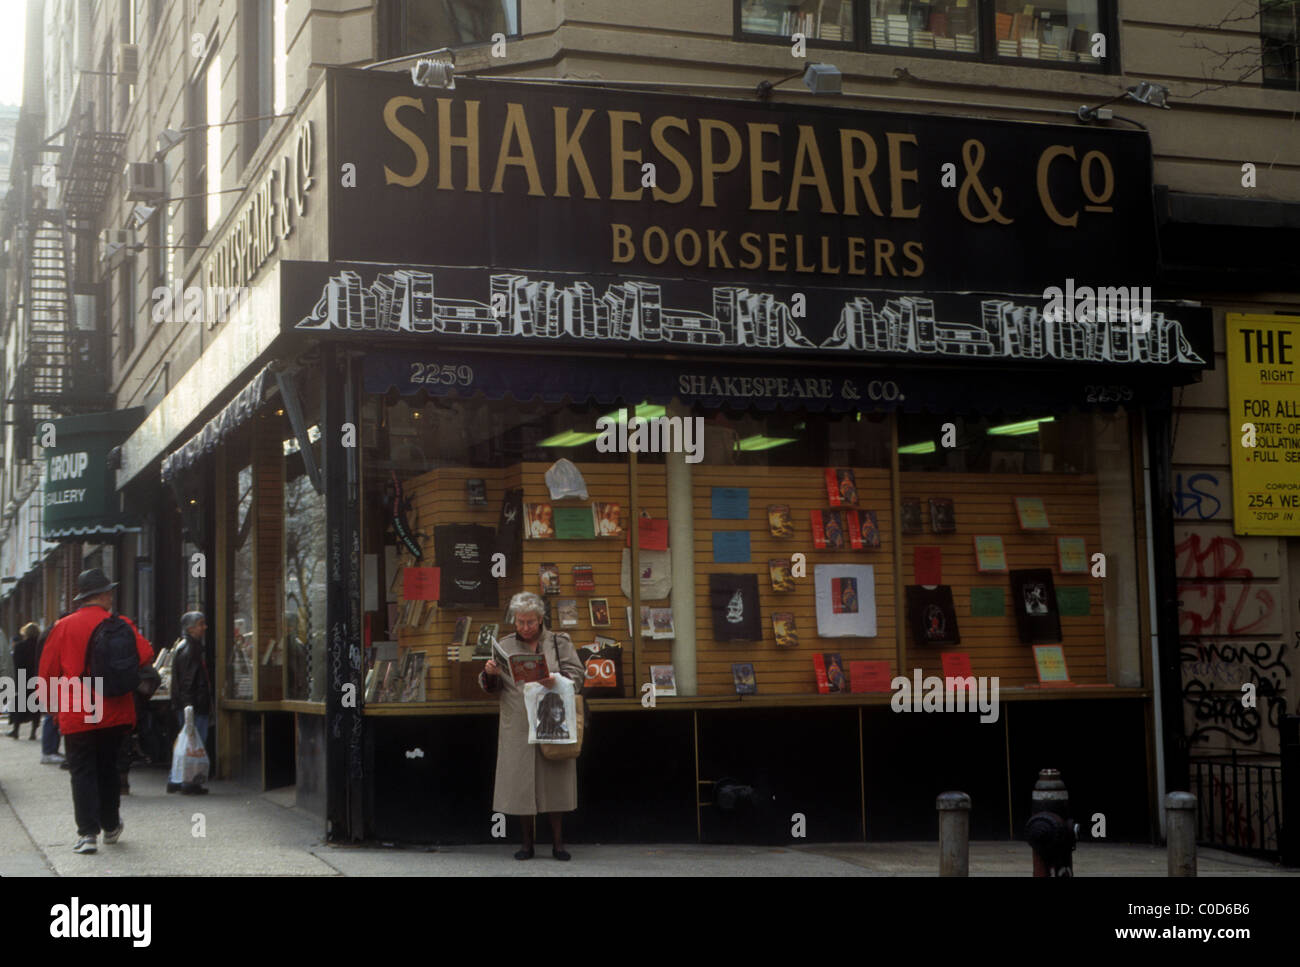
(779, 554)
(303, 607)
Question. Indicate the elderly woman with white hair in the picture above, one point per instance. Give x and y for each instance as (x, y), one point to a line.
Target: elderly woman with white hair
(528, 783)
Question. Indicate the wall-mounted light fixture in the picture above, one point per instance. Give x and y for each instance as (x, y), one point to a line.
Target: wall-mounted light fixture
(818, 78)
(1143, 92)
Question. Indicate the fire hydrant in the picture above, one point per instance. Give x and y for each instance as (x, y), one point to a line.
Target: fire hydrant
(1050, 831)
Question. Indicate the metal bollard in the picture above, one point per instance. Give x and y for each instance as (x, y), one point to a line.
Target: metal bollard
(1180, 820)
(954, 833)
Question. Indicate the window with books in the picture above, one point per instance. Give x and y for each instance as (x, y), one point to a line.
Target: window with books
(1279, 30)
(787, 523)
(953, 27)
(457, 481)
(827, 21)
(1055, 31)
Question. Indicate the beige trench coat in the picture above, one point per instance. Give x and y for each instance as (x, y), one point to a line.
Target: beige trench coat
(527, 782)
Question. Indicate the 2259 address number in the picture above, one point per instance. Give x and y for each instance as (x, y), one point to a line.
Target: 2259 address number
(442, 374)
(1108, 394)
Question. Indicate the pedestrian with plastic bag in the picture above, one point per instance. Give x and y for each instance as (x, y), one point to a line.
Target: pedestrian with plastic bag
(189, 759)
(528, 781)
(191, 685)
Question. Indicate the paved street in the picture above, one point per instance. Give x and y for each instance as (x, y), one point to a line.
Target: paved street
(248, 833)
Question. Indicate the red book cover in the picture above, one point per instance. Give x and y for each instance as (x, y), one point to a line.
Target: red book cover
(854, 528)
(653, 534)
(818, 529)
(819, 668)
(956, 664)
(583, 578)
(869, 676)
(832, 487)
(927, 565)
(420, 583)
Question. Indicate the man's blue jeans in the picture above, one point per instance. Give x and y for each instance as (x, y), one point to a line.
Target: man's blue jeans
(50, 735)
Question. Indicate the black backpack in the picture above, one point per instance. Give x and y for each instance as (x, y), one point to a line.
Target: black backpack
(112, 657)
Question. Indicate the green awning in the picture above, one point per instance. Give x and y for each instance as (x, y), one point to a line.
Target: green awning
(80, 499)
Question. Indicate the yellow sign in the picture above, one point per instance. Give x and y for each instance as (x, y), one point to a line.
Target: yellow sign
(1264, 422)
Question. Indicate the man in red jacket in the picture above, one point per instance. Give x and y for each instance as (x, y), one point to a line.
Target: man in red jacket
(93, 725)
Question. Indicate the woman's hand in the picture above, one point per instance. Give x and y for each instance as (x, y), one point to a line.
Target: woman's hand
(491, 669)
(547, 682)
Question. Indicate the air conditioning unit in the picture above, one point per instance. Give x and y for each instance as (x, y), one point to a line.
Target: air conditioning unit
(144, 181)
(114, 244)
(128, 63)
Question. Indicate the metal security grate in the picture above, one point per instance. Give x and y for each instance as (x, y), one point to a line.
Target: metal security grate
(1239, 804)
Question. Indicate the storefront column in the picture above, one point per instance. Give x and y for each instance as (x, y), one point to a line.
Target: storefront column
(681, 552)
(344, 747)
(1169, 670)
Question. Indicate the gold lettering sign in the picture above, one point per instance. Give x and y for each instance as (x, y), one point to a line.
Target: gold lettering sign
(267, 217)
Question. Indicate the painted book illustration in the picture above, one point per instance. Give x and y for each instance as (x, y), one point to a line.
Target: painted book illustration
(783, 627)
(742, 674)
(779, 521)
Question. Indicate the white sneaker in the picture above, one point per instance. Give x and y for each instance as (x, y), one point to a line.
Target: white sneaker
(53, 759)
(111, 836)
(86, 844)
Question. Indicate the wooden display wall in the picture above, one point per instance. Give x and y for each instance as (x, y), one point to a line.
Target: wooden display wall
(438, 497)
(985, 504)
(786, 671)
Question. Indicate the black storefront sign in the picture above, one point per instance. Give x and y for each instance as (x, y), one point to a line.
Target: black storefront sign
(766, 387)
(548, 179)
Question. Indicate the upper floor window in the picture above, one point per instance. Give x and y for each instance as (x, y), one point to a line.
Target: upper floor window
(1279, 28)
(265, 75)
(1077, 34)
(414, 26)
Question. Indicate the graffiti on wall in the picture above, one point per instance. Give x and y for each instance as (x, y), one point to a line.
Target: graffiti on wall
(1214, 715)
(1202, 495)
(1218, 593)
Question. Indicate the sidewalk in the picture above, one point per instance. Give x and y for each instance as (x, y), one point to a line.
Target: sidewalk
(261, 834)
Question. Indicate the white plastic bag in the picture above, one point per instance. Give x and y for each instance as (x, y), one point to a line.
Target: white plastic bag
(189, 758)
(551, 715)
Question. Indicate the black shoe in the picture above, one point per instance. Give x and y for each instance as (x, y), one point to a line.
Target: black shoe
(192, 789)
(13, 734)
(524, 854)
(560, 854)
(64, 765)
(173, 787)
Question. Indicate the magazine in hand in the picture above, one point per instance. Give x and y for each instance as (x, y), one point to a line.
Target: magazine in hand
(528, 668)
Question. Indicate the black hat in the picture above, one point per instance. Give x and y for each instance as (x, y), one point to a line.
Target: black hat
(91, 583)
